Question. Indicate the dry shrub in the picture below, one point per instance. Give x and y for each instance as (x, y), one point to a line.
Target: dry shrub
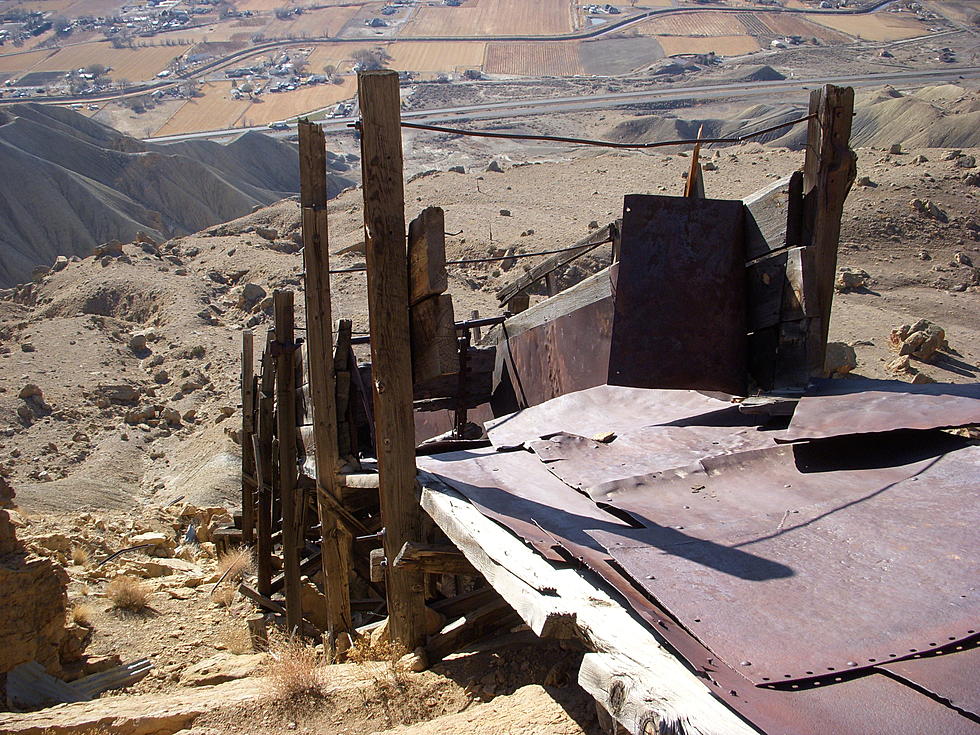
(233, 565)
(367, 648)
(237, 640)
(81, 614)
(128, 593)
(292, 668)
(223, 597)
(80, 556)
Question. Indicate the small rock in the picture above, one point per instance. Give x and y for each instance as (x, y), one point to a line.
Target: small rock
(709, 166)
(160, 544)
(849, 279)
(865, 181)
(895, 149)
(920, 340)
(137, 342)
(267, 233)
(900, 364)
(929, 209)
(495, 167)
(966, 162)
(111, 249)
(840, 359)
(505, 213)
(920, 378)
(952, 155)
(251, 295)
(920, 159)
(456, 170)
(594, 225)
(30, 391)
(963, 259)
(923, 255)
(604, 437)
(416, 661)
(222, 667)
(27, 347)
(60, 263)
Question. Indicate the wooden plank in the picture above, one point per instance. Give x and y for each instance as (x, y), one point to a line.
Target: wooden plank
(672, 691)
(457, 606)
(433, 559)
(262, 444)
(335, 538)
(387, 285)
(434, 352)
(346, 430)
(469, 628)
(773, 216)
(829, 170)
(292, 536)
(248, 426)
(535, 274)
(427, 274)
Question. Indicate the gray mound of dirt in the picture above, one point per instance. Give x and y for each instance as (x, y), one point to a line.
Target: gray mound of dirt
(70, 184)
(763, 73)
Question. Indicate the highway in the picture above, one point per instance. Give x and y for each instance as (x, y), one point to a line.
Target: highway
(730, 90)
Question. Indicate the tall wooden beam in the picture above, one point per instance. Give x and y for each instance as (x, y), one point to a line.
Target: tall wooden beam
(292, 537)
(336, 541)
(388, 305)
(262, 451)
(248, 426)
(828, 172)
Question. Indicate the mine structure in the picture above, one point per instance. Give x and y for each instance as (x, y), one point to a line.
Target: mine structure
(647, 465)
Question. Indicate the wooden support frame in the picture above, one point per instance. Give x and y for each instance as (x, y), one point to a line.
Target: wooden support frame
(335, 538)
(388, 307)
(292, 532)
(262, 450)
(664, 692)
(829, 170)
(433, 559)
(248, 426)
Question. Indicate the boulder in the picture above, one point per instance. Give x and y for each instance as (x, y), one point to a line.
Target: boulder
(251, 295)
(840, 359)
(495, 167)
(111, 249)
(929, 210)
(222, 667)
(31, 390)
(60, 263)
(966, 162)
(160, 543)
(849, 279)
(920, 340)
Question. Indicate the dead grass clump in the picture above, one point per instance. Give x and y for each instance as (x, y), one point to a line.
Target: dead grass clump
(237, 640)
(81, 614)
(292, 669)
(80, 556)
(223, 597)
(368, 648)
(233, 565)
(128, 593)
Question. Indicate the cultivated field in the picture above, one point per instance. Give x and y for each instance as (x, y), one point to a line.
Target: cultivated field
(44, 6)
(286, 105)
(794, 25)
(18, 63)
(214, 110)
(437, 56)
(721, 45)
(336, 54)
(312, 24)
(876, 27)
(560, 58)
(494, 17)
(694, 24)
(138, 64)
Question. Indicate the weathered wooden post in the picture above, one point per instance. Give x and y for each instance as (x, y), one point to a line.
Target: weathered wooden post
(828, 172)
(388, 307)
(262, 451)
(249, 475)
(335, 540)
(292, 537)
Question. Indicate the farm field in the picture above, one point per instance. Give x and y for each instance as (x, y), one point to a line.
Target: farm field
(694, 24)
(44, 6)
(560, 58)
(790, 25)
(336, 54)
(494, 17)
(876, 27)
(607, 56)
(437, 56)
(721, 45)
(137, 65)
(312, 24)
(286, 105)
(214, 110)
(20, 63)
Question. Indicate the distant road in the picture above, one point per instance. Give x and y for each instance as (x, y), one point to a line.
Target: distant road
(517, 108)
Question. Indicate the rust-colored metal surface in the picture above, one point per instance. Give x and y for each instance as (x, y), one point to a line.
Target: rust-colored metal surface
(857, 406)
(808, 560)
(561, 356)
(680, 317)
(951, 677)
(585, 463)
(603, 408)
(515, 489)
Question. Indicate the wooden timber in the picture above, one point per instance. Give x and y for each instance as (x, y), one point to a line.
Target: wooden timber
(427, 276)
(433, 559)
(335, 537)
(248, 426)
(292, 534)
(262, 450)
(667, 692)
(388, 305)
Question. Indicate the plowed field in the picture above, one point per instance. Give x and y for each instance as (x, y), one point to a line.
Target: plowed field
(494, 17)
(560, 58)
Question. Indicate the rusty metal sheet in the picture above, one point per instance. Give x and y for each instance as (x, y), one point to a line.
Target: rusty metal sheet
(951, 677)
(601, 409)
(585, 463)
(811, 559)
(680, 316)
(517, 491)
(563, 355)
(857, 406)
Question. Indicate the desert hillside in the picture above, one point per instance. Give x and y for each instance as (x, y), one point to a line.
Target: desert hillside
(71, 184)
